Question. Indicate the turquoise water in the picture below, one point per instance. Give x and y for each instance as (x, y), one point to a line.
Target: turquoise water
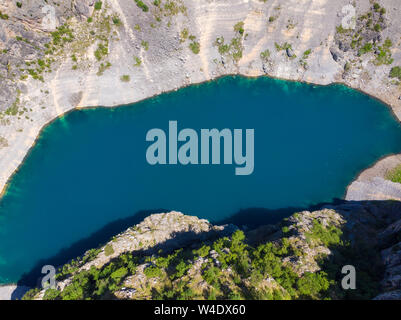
(87, 177)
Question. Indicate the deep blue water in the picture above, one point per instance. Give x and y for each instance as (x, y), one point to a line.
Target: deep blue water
(88, 169)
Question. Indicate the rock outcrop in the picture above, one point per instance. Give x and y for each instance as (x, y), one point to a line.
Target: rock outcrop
(171, 255)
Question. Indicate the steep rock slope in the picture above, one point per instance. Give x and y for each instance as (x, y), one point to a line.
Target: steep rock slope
(173, 256)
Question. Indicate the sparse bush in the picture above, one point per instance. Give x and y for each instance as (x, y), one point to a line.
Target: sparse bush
(125, 78)
(3, 16)
(142, 5)
(98, 5)
(394, 175)
(108, 250)
(195, 47)
(101, 51)
(396, 73)
(265, 55)
(138, 61)
(239, 27)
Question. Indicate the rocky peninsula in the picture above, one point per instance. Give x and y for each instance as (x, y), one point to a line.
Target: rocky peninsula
(298, 258)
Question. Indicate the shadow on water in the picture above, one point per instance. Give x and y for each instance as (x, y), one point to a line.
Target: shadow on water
(254, 217)
(32, 278)
(250, 218)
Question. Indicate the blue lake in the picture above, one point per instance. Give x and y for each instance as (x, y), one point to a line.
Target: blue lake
(87, 177)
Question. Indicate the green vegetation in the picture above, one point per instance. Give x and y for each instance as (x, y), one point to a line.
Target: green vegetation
(125, 78)
(230, 268)
(239, 27)
(116, 20)
(394, 175)
(98, 5)
(152, 272)
(265, 55)
(235, 48)
(184, 35)
(341, 30)
(108, 250)
(62, 35)
(19, 4)
(373, 21)
(384, 56)
(396, 73)
(368, 47)
(101, 51)
(102, 68)
(138, 61)
(3, 16)
(282, 47)
(142, 5)
(145, 45)
(305, 56)
(174, 7)
(14, 108)
(195, 47)
(327, 236)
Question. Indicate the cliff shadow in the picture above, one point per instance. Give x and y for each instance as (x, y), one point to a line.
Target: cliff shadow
(245, 218)
(254, 217)
(32, 278)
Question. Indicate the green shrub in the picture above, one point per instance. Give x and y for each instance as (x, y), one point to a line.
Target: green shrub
(3, 16)
(138, 61)
(394, 175)
(98, 5)
(311, 284)
(265, 55)
(116, 20)
(145, 45)
(108, 250)
(153, 272)
(396, 73)
(101, 52)
(51, 294)
(125, 78)
(141, 5)
(195, 47)
(328, 236)
(239, 27)
(368, 47)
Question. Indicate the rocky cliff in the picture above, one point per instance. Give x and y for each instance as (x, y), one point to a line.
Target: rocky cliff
(173, 256)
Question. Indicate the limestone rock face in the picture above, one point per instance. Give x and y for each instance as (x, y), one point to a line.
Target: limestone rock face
(164, 231)
(372, 224)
